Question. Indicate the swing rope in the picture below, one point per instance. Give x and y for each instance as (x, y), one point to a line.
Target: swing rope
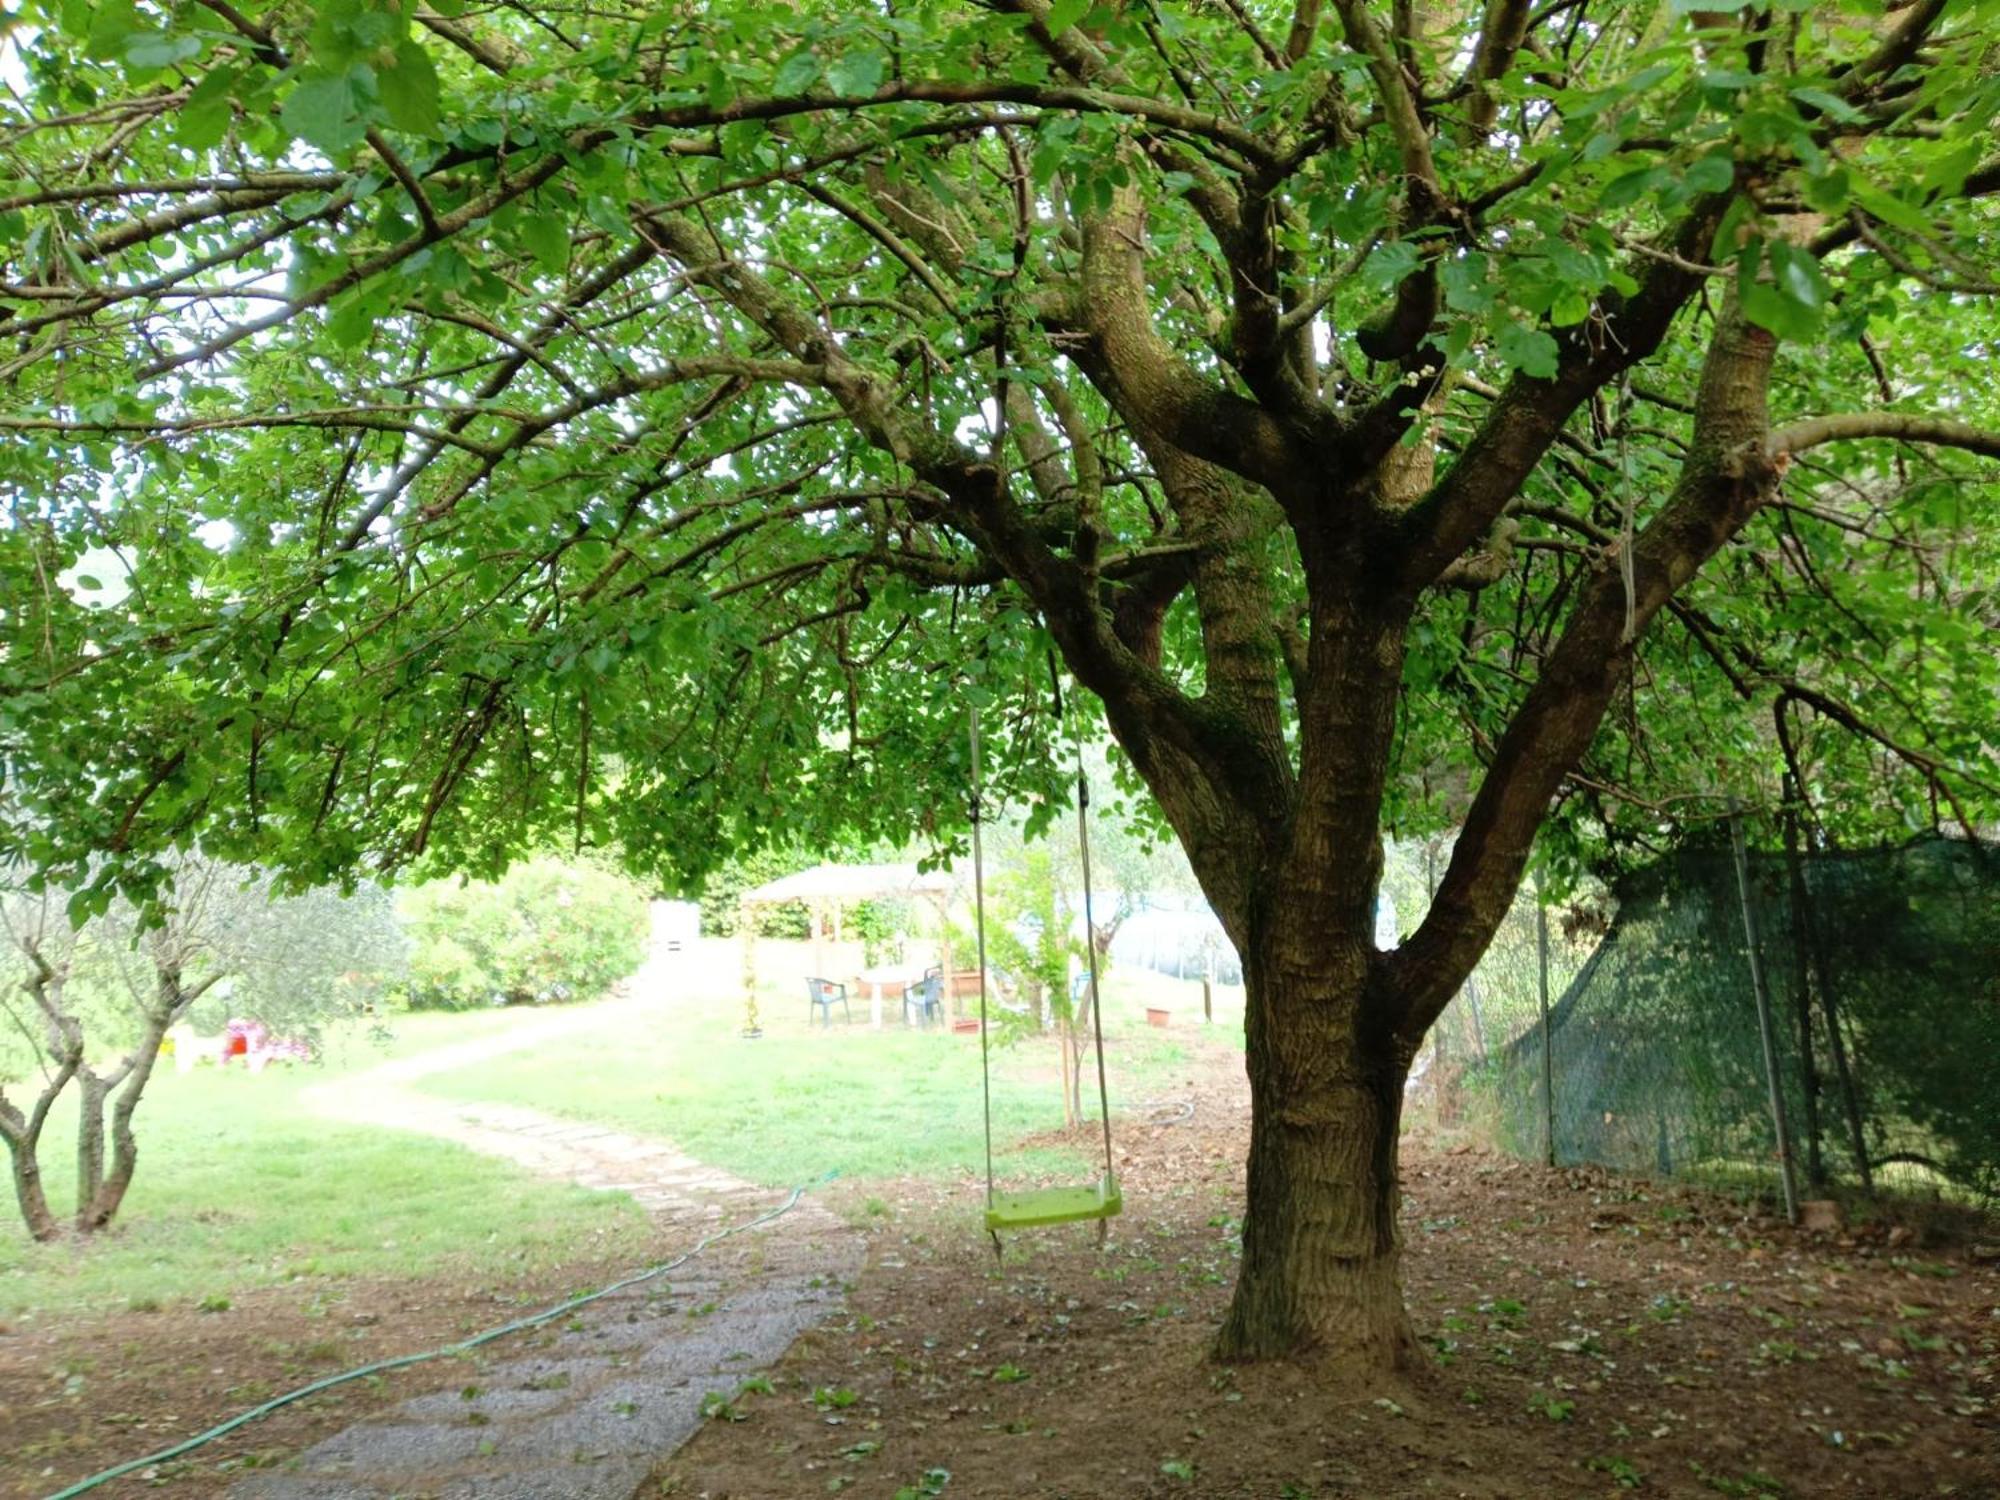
(1089, 925)
(979, 923)
(1055, 1205)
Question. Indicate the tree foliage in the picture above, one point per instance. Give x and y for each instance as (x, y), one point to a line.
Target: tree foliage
(722, 892)
(392, 438)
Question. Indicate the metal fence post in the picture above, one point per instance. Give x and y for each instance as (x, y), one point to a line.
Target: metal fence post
(1548, 1054)
(1764, 1018)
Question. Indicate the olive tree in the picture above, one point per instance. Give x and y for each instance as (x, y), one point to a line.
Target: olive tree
(85, 1010)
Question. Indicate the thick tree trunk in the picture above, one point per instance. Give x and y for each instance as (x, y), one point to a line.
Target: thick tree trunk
(1321, 1242)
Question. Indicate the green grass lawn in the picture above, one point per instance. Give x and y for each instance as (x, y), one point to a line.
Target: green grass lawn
(239, 1187)
(801, 1100)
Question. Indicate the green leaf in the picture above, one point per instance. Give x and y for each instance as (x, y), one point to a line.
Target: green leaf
(1468, 284)
(1389, 264)
(1570, 308)
(1712, 173)
(857, 74)
(797, 73)
(1798, 276)
(1723, 246)
(1889, 208)
(1830, 190)
(160, 49)
(110, 25)
(1631, 187)
(1829, 104)
(352, 322)
(204, 118)
(320, 111)
(547, 239)
(1064, 14)
(409, 89)
(1767, 307)
(1529, 350)
(1947, 172)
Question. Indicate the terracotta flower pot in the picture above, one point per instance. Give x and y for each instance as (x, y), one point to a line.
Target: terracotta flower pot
(965, 1025)
(1157, 1015)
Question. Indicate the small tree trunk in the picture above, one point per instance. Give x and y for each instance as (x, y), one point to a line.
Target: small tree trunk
(101, 1207)
(1321, 1242)
(33, 1198)
(1802, 1005)
(89, 1147)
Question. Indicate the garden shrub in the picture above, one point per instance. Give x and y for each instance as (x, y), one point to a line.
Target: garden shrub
(546, 931)
(724, 888)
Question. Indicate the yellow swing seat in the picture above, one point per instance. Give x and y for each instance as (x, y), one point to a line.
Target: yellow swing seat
(1056, 1205)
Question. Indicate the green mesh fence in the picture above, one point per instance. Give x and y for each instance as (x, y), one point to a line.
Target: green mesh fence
(1882, 974)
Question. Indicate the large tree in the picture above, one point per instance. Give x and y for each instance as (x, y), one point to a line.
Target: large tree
(434, 430)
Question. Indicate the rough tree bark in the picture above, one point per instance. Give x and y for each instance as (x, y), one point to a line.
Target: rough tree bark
(1321, 1242)
(23, 1135)
(102, 1193)
(22, 1130)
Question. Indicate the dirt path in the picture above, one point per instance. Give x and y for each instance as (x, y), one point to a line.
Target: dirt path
(585, 1409)
(660, 1178)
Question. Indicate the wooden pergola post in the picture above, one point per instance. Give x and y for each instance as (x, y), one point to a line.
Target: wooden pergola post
(746, 922)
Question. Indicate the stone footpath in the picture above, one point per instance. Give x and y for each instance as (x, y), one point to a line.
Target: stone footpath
(586, 1408)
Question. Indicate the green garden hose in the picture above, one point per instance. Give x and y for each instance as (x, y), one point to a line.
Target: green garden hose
(534, 1320)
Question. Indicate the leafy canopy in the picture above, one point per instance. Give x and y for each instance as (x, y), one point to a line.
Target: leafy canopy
(435, 433)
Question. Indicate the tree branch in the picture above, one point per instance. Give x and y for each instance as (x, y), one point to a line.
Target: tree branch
(1530, 412)
(1725, 478)
(1907, 427)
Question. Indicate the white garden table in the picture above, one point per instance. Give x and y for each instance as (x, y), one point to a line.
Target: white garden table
(881, 977)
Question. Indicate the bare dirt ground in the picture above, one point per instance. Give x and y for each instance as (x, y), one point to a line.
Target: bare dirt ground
(1588, 1336)
(96, 1391)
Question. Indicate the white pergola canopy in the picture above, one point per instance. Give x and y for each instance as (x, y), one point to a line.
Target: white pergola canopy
(844, 883)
